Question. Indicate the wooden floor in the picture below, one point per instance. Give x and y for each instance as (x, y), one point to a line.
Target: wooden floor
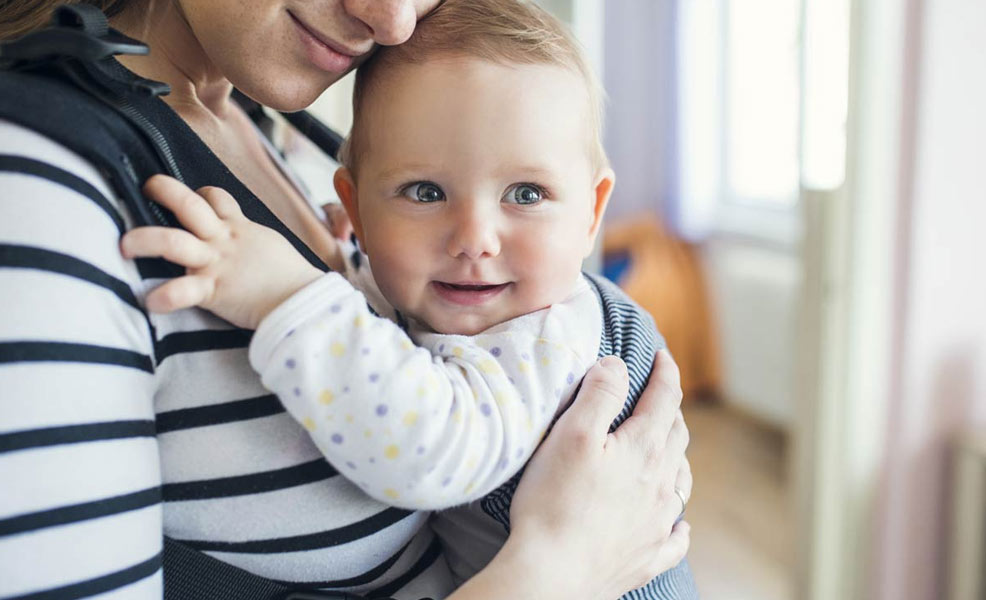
(739, 511)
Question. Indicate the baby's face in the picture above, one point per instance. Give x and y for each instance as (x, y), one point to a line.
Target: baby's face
(476, 198)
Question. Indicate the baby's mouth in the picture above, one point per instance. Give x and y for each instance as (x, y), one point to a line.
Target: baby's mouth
(468, 293)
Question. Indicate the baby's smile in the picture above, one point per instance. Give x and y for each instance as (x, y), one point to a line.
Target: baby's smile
(468, 293)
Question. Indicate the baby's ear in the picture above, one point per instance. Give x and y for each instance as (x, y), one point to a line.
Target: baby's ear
(602, 190)
(346, 188)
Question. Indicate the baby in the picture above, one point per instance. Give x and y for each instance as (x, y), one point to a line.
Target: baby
(475, 180)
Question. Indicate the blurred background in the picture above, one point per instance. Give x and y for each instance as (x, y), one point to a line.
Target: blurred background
(800, 205)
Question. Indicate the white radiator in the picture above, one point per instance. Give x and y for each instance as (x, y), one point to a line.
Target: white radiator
(967, 538)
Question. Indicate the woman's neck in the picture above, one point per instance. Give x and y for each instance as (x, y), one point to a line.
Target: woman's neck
(177, 58)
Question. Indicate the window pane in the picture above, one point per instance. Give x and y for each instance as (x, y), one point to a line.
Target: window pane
(762, 112)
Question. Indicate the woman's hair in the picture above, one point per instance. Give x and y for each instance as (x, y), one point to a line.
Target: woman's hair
(18, 17)
(501, 31)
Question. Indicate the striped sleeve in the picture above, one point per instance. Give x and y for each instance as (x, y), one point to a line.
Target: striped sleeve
(80, 507)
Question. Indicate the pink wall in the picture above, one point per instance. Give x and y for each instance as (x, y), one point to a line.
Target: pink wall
(940, 374)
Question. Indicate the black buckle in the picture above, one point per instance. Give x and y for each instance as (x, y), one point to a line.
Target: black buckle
(79, 31)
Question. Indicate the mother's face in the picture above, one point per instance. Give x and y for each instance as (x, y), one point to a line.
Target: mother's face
(284, 53)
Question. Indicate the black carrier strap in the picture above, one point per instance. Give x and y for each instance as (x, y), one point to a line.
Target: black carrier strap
(41, 77)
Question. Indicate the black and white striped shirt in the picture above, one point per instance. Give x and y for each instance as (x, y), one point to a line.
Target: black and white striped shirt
(117, 426)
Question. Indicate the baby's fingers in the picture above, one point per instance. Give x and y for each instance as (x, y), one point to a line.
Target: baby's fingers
(191, 209)
(175, 245)
(179, 293)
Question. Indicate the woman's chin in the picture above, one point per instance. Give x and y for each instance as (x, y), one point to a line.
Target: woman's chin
(289, 94)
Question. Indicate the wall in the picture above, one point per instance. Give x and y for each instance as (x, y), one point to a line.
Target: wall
(939, 376)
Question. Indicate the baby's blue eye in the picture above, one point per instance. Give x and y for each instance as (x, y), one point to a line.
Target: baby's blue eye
(424, 191)
(524, 193)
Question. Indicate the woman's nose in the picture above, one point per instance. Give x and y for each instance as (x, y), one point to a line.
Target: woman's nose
(474, 235)
(390, 22)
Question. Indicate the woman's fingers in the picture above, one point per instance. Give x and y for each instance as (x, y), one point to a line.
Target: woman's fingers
(180, 293)
(659, 403)
(600, 399)
(175, 245)
(673, 550)
(190, 208)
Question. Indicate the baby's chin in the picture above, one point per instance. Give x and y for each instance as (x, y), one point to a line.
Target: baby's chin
(464, 324)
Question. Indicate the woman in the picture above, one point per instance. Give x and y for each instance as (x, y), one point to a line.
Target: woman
(117, 425)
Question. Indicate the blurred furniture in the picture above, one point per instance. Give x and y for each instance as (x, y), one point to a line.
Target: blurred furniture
(967, 536)
(663, 274)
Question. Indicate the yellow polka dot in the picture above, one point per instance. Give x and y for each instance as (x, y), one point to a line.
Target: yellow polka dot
(457, 417)
(391, 493)
(326, 397)
(524, 367)
(500, 397)
(392, 451)
(542, 341)
(468, 488)
(368, 433)
(529, 424)
(422, 391)
(488, 366)
(457, 352)
(545, 361)
(359, 321)
(406, 345)
(330, 417)
(471, 464)
(410, 418)
(337, 349)
(349, 418)
(308, 423)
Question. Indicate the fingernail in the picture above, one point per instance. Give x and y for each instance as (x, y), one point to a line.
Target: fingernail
(613, 363)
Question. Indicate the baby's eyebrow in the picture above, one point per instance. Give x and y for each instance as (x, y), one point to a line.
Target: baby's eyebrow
(405, 170)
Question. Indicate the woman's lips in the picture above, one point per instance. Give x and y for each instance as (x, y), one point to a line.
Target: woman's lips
(319, 53)
(467, 294)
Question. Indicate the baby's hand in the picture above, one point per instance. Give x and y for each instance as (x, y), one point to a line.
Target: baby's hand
(234, 267)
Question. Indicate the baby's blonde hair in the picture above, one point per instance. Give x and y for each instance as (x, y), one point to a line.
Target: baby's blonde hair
(500, 31)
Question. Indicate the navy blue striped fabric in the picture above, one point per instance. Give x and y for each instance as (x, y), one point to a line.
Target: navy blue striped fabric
(628, 332)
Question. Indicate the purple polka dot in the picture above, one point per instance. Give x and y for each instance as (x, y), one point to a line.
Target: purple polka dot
(558, 392)
(512, 382)
(486, 409)
(374, 377)
(290, 333)
(381, 410)
(350, 465)
(520, 452)
(421, 449)
(526, 356)
(447, 481)
(335, 308)
(495, 351)
(289, 363)
(373, 460)
(336, 438)
(570, 379)
(502, 464)
(297, 391)
(345, 390)
(441, 347)
(365, 351)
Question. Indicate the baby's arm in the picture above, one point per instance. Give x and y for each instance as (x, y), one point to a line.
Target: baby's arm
(411, 428)
(455, 419)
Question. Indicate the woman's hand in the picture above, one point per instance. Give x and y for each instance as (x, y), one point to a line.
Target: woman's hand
(236, 268)
(595, 512)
